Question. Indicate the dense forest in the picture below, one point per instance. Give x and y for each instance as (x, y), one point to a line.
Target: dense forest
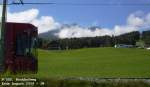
(100, 41)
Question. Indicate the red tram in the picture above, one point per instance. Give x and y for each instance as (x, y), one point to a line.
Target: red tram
(20, 43)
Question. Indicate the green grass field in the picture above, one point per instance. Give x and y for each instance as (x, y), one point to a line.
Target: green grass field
(95, 62)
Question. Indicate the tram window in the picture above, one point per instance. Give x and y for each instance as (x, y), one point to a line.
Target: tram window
(34, 46)
(26, 45)
(23, 45)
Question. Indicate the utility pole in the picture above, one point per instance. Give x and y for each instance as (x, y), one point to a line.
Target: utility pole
(2, 33)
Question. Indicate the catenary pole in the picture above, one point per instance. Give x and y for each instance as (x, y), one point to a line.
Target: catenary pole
(2, 33)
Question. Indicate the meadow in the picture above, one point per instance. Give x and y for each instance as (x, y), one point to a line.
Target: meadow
(95, 63)
(91, 67)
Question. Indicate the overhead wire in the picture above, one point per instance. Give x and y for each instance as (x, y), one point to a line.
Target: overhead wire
(82, 4)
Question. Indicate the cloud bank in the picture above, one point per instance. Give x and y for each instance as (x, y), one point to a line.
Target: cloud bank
(44, 23)
(135, 22)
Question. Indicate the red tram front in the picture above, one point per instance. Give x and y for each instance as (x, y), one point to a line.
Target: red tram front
(20, 47)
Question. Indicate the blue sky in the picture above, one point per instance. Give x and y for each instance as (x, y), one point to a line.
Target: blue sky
(111, 19)
(104, 16)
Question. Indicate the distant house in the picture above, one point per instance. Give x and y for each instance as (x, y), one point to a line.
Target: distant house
(123, 46)
(54, 45)
(140, 44)
(148, 48)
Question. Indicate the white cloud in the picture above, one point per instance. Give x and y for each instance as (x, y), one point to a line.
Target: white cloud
(148, 19)
(76, 31)
(133, 20)
(24, 17)
(44, 23)
(123, 29)
(86, 32)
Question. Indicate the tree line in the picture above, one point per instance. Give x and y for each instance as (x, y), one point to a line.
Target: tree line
(100, 41)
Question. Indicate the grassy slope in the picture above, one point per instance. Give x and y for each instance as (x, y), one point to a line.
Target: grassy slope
(95, 62)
